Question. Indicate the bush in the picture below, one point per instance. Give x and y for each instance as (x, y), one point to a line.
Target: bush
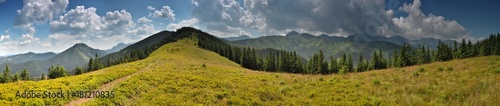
(440, 69)
(421, 69)
(497, 71)
(449, 69)
(376, 82)
(416, 74)
(56, 72)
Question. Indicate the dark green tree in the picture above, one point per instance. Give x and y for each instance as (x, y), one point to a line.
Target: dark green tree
(78, 70)
(25, 75)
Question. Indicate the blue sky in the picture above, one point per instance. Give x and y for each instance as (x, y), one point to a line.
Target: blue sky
(55, 25)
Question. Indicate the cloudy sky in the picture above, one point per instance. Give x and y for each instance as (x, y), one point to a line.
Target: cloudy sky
(55, 25)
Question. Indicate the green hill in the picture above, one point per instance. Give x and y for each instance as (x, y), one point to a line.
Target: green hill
(180, 73)
(306, 45)
(77, 55)
(21, 58)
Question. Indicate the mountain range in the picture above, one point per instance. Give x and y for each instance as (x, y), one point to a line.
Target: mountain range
(303, 43)
(116, 48)
(77, 55)
(21, 58)
(241, 37)
(306, 45)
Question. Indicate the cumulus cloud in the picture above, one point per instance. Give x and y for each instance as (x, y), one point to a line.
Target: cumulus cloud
(118, 21)
(333, 17)
(419, 25)
(78, 21)
(184, 23)
(165, 12)
(150, 8)
(84, 25)
(143, 20)
(37, 11)
(274, 16)
(4, 37)
(194, 2)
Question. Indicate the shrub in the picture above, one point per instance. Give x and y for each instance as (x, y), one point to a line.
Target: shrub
(204, 66)
(497, 71)
(421, 69)
(282, 82)
(416, 74)
(321, 79)
(376, 82)
(440, 69)
(449, 69)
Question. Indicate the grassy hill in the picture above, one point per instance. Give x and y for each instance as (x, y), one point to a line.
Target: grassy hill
(180, 73)
(306, 45)
(77, 55)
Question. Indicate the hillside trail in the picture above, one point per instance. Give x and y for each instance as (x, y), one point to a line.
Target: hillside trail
(108, 86)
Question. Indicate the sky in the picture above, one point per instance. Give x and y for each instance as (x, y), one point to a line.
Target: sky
(55, 25)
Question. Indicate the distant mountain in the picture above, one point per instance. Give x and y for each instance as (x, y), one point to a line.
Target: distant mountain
(116, 48)
(21, 58)
(306, 45)
(141, 45)
(242, 37)
(77, 55)
(428, 42)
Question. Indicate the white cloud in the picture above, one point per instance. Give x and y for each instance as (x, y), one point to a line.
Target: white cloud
(184, 23)
(165, 12)
(419, 25)
(150, 8)
(333, 17)
(143, 20)
(98, 31)
(118, 22)
(27, 39)
(4, 37)
(1, 1)
(78, 21)
(194, 2)
(37, 11)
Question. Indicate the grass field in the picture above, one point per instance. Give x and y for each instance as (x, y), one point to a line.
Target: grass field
(183, 74)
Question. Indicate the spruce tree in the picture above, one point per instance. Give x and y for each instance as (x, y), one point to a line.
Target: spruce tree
(334, 68)
(6, 72)
(25, 75)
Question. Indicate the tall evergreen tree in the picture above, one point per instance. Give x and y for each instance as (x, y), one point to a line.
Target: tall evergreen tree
(6, 77)
(334, 68)
(25, 75)
(78, 70)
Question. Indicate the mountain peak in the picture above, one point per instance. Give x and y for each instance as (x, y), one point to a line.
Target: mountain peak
(80, 44)
(292, 33)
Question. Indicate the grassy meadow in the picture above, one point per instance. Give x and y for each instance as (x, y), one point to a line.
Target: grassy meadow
(180, 73)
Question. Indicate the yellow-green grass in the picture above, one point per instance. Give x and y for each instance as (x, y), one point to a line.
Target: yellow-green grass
(88, 81)
(184, 74)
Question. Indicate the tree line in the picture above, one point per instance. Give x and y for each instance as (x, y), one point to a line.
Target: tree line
(286, 61)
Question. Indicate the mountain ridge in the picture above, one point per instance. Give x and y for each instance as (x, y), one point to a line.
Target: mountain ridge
(77, 55)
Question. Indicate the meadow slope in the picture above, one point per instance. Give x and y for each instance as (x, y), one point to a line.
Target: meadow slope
(188, 75)
(180, 73)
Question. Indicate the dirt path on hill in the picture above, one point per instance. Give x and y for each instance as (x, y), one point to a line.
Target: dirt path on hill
(107, 86)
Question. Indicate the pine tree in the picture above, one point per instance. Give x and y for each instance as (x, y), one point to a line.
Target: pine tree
(78, 70)
(463, 49)
(361, 65)
(43, 77)
(6, 78)
(15, 78)
(321, 65)
(90, 65)
(25, 75)
(334, 68)
(349, 64)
